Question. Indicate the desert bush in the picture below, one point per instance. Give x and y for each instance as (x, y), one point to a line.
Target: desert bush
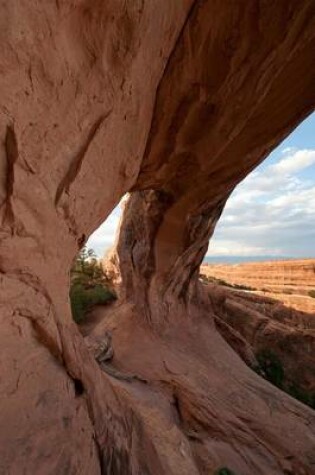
(271, 367)
(312, 293)
(224, 471)
(83, 299)
(301, 395)
(88, 285)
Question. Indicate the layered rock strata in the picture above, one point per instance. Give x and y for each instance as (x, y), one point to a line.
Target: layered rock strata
(267, 326)
(296, 276)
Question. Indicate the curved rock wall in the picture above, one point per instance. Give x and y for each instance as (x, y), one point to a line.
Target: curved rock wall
(177, 101)
(203, 140)
(267, 325)
(75, 115)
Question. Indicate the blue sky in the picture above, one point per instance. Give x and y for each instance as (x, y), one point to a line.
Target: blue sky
(271, 213)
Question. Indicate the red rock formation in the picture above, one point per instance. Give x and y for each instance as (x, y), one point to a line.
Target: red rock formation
(287, 281)
(296, 276)
(176, 102)
(298, 302)
(78, 84)
(266, 324)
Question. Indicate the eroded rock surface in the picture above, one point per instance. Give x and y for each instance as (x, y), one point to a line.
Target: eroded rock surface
(290, 282)
(296, 276)
(176, 102)
(266, 324)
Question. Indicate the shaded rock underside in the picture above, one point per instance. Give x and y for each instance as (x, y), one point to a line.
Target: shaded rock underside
(175, 103)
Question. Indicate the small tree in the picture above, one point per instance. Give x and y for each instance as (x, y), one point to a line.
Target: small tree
(86, 268)
(88, 284)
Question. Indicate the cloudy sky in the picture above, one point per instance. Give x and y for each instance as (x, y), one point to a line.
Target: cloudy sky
(271, 213)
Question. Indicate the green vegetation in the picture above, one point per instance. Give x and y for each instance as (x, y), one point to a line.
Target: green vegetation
(224, 471)
(88, 285)
(271, 368)
(301, 395)
(83, 299)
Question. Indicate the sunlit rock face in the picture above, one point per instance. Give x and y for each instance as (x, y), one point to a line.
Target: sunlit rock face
(296, 276)
(175, 102)
(268, 327)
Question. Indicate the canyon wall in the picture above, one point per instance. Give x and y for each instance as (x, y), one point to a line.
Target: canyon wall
(175, 102)
(78, 84)
(288, 281)
(271, 330)
(296, 275)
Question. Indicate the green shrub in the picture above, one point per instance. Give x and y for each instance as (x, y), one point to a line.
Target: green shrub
(312, 293)
(271, 367)
(301, 395)
(83, 299)
(88, 285)
(224, 471)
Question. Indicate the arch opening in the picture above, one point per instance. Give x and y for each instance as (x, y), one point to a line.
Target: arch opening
(287, 167)
(270, 218)
(270, 214)
(177, 104)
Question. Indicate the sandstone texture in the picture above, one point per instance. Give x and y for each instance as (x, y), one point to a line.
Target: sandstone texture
(302, 303)
(174, 102)
(289, 281)
(266, 324)
(295, 275)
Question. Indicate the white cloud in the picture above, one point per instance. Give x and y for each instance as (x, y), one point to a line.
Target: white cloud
(103, 238)
(293, 163)
(288, 150)
(272, 212)
(226, 247)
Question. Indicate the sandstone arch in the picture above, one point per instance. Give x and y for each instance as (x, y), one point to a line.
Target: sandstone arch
(176, 101)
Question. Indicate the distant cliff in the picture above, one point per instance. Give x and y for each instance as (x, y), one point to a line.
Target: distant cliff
(287, 276)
